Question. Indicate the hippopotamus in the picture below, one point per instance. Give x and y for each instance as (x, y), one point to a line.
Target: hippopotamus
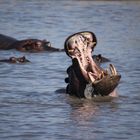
(100, 59)
(87, 79)
(26, 45)
(15, 60)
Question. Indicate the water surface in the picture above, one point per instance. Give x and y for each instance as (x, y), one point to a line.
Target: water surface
(30, 107)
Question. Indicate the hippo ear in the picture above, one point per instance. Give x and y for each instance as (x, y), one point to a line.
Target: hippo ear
(23, 57)
(74, 39)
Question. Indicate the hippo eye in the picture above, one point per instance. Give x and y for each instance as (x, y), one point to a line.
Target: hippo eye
(12, 58)
(38, 43)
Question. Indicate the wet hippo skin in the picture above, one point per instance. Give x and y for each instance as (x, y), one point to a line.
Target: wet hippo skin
(26, 45)
(100, 59)
(15, 60)
(87, 79)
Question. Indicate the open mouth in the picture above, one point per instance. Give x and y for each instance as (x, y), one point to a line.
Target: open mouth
(80, 47)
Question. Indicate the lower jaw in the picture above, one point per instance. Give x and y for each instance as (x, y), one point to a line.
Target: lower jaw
(101, 85)
(106, 85)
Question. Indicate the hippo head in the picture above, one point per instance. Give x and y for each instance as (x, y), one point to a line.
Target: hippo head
(18, 60)
(84, 75)
(34, 45)
(22, 59)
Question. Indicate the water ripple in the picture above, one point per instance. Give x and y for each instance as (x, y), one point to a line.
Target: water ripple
(29, 106)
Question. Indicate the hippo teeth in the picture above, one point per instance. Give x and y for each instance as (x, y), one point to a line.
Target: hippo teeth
(91, 77)
(91, 74)
(112, 69)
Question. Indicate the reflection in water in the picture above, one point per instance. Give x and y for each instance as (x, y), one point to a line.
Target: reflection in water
(84, 110)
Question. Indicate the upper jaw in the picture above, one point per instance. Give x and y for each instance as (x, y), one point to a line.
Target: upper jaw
(80, 46)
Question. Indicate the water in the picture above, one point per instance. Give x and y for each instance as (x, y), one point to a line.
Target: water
(30, 107)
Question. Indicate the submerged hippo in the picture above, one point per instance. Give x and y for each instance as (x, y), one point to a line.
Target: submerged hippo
(100, 59)
(27, 45)
(86, 79)
(15, 60)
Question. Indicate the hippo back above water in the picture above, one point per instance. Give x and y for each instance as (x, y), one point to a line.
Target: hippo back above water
(6, 42)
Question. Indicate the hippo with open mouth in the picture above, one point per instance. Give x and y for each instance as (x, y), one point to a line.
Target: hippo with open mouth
(27, 45)
(87, 79)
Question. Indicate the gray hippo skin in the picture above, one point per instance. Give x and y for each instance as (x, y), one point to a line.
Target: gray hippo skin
(15, 60)
(26, 45)
(85, 77)
(100, 59)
